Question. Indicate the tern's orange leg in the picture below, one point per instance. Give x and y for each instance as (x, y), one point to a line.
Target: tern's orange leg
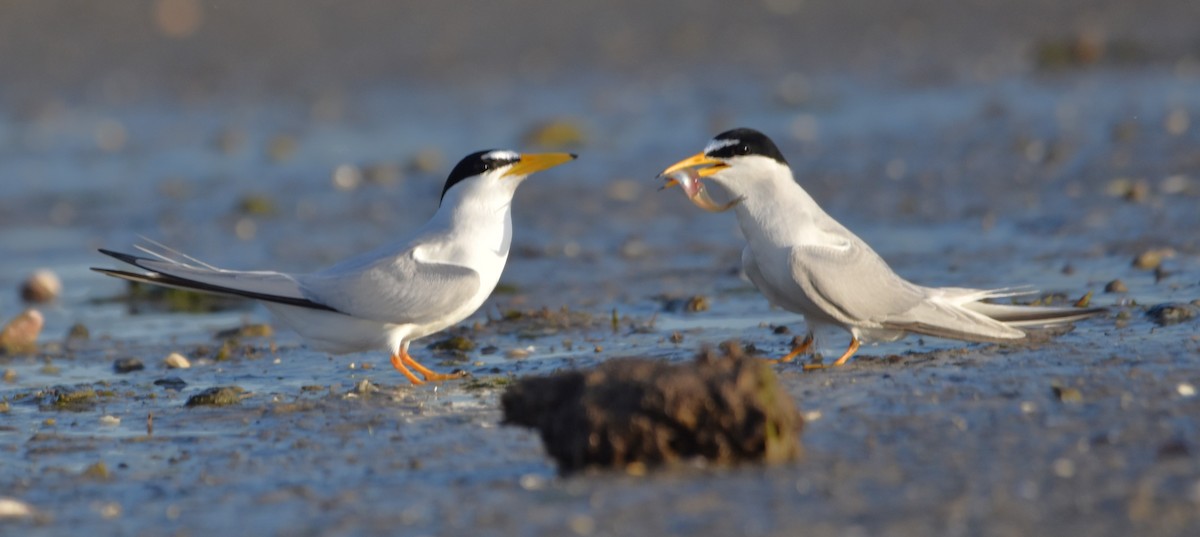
(398, 363)
(797, 351)
(841, 360)
(849, 352)
(429, 374)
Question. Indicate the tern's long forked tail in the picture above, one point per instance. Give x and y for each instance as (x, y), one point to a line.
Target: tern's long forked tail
(168, 272)
(962, 314)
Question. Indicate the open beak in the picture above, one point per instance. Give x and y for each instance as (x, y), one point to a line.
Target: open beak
(686, 173)
(711, 165)
(536, 162)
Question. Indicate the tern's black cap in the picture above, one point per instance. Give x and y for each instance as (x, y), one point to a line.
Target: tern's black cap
(477, 163)
(742, 142)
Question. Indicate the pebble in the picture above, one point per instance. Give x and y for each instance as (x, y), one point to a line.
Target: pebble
(78, 332)
(1185, 389)
(14, 508)
(110, 420)
(1152, 259)
(1067, 394)
(41, 286)
(176, 361)
(282, 147)
(128, 365)
(1170, 313)
(347, 177)
(1116, 286)
(20, 335)
(519, 352)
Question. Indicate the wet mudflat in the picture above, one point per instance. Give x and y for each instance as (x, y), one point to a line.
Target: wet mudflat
(1057, 173)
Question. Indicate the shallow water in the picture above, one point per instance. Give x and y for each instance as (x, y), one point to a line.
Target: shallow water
(955, 182)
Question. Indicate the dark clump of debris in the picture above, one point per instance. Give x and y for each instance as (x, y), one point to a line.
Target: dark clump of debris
(633, 413)
(218, 396)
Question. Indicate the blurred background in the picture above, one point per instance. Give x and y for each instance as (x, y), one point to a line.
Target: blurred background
(971, 142)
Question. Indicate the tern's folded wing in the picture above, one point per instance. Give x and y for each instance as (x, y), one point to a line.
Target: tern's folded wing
(397, 290)
(851, 283)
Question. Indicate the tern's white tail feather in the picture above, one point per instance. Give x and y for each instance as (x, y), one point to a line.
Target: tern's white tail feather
(958, 313)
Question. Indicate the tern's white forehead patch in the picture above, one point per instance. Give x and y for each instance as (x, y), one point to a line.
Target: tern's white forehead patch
(718, 144)
(502, 155)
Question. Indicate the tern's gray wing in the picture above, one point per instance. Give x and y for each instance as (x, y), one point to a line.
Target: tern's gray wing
(397, 289)
(851, 283)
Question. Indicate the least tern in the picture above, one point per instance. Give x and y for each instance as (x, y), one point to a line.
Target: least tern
(805, 262)
(388, 297)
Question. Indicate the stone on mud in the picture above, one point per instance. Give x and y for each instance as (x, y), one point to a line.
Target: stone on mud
(635, 413)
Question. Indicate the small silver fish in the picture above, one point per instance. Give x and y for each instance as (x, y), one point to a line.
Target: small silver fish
(689, 180)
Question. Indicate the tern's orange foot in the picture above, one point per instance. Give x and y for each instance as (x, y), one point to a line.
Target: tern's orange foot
(797, 350)
(841, 361)
(398, 363)
(429, 374)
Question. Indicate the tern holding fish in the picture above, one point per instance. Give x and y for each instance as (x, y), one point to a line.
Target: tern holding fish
(806, 262)
(395, 294)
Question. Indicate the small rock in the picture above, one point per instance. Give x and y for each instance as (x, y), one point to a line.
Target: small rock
(1175, 184)
(41, 286)
(171, 383)
(1116, 286)
(10, 376)
(128, 365)
(1067, 394)
(14, 508)
(218, 396)
(696, 304)
(256, 205)
(20, 335)
(1176, 447)
(282, 147)
(98, 471)
(176, 361)
(634, 413)
(347, 177)
(1151, 259)
(364, 387)
(519, 353)
(109, 420)
(1185, 389)
(78, 332)
(635, 248)
(1170, 313)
